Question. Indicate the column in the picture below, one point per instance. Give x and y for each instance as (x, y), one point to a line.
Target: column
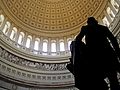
(10, 30)
(108, 17)
(17, 35)
(117, 1)
(49, 46)
(3, 24)
(32, 43)
(25, 39)
(41, 44)
(65, 43)
(57, 45)
(112, 8)
(100, 20)
(0, 14)
(73, 37)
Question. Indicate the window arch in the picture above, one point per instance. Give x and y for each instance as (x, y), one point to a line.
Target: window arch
(106, 22)
(115, 4)
(62, 46)
(53, 46)
(13, 33)
(45, 43)
(69, 42)
(110, 13)
(1, 19)
(6, 28)
(36, 44)
(29, 38)
(20, 39)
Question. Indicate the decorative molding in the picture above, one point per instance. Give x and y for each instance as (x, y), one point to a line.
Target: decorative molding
(31, 64)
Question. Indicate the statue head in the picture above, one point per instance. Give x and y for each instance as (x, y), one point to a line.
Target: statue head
(92, 21)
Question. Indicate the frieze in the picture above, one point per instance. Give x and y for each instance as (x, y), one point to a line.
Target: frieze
(11, 72)
(31, 64)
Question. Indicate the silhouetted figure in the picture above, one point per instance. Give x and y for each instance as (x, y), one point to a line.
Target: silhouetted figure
(77, 59)
(97, 58)
(70, 66)
(75, 47)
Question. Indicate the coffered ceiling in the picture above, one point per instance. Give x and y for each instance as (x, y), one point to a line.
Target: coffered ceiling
(51, 18)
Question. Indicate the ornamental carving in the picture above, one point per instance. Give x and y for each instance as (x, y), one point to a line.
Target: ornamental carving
(36, 65)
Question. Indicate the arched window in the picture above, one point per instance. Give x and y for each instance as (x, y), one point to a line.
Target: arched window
(115, 4)
(1, 19)
(106, 22)
(110, 13)
(6, 28)
(29, 38)
(36, 45)
(45, 43)
(13, 33)
(53, 46)
(62, 46)
(69, 42)
(20, 39)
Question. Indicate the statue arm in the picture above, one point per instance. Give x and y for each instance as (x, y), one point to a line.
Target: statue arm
(81, 34)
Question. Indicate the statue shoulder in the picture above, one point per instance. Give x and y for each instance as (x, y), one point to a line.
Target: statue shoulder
(84, 27)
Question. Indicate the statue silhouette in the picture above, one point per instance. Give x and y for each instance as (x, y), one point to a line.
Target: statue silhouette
(96, 59)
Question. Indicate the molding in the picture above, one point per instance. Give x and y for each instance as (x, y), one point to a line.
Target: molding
(28, 78)
(11, 46)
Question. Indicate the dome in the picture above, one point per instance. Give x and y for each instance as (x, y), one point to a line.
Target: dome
(35, 38)
(47, 27)
(52, 18)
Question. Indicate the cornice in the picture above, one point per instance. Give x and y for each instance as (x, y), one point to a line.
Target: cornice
(37, 79)
(115, 25)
